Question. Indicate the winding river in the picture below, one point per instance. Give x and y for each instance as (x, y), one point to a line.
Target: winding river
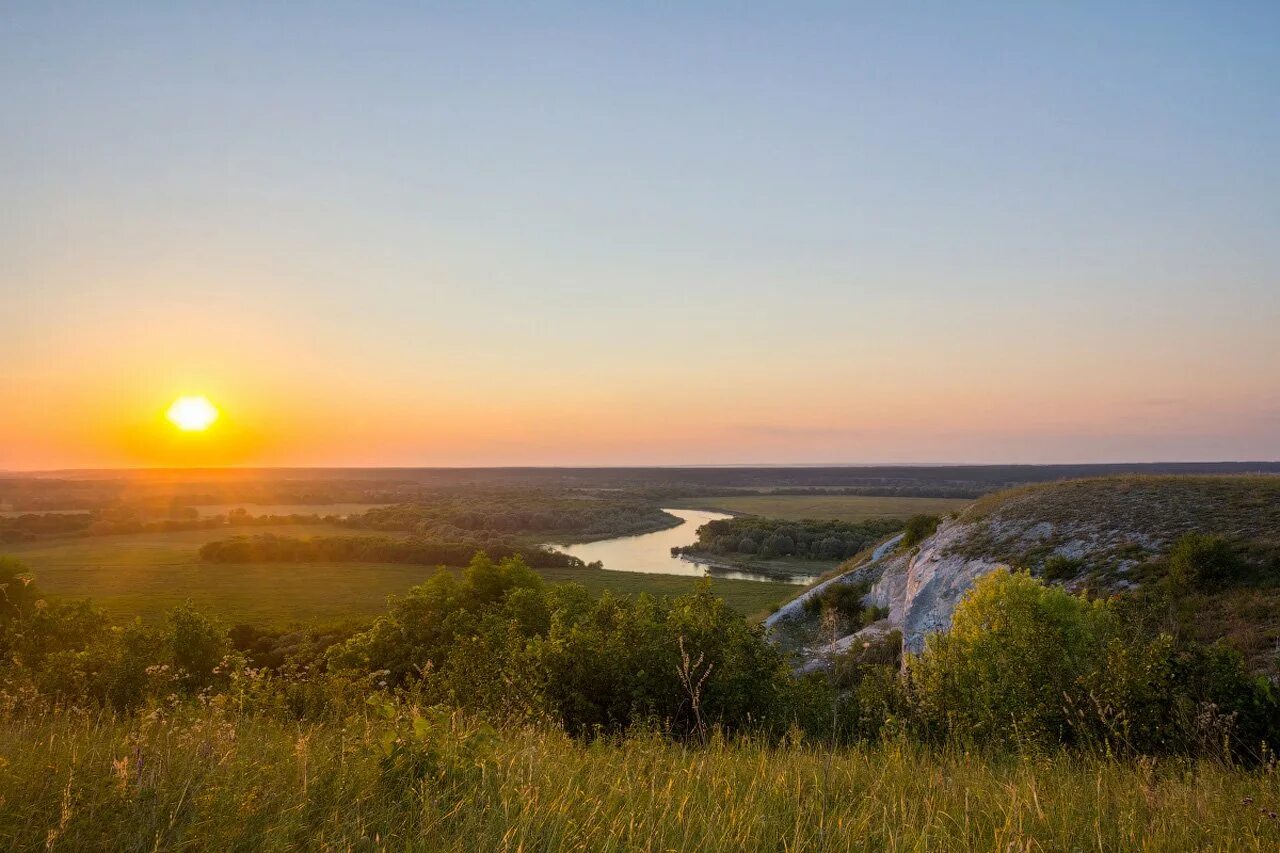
(650, 553)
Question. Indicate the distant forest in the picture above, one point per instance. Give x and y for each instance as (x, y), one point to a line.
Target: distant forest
(450, 514)
(159, 491)
(769, 538)
(267, 548)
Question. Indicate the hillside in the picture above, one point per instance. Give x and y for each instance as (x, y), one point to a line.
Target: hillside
(1108, 535)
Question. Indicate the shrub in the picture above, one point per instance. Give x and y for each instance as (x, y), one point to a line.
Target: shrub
(18, 592)
(1059, 567)
(1026, 664)
(198, 644)
(1015, 647)
(917, 529)
(1204, 562)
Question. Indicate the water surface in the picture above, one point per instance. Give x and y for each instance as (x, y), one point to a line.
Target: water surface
(650, 553)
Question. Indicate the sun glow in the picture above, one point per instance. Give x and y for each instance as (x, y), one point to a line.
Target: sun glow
(192, 414)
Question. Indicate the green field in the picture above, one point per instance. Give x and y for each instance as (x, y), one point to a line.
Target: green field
(147, 574)
(832, 507)
(287, 509)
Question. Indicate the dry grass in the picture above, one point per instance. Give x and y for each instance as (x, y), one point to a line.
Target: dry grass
(211, 782)
(1118, 522)
(1158, 506)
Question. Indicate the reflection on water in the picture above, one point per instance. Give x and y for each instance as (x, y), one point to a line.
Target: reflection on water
(650, 553)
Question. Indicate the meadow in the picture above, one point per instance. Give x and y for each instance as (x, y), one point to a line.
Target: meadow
(826, 507)
(209, 778)
(148, 574)
(341, 509)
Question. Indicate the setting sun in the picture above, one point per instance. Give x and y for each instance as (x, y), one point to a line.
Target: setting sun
(192, 414)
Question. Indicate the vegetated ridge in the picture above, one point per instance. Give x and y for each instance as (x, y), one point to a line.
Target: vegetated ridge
(1105, 536)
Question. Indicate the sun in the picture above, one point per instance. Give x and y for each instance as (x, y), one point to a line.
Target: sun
(192, 414)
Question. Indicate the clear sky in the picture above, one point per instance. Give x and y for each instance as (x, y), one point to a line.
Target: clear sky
(616, 233)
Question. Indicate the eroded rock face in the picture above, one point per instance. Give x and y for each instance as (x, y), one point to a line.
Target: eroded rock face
(922, 590)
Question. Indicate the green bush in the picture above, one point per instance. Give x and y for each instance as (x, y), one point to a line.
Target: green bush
(917, 529)
(1059, 567)
(999, 674)
(1028, 665)
(1204, 563)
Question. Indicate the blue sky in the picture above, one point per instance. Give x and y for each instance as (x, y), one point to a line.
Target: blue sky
(619, 233)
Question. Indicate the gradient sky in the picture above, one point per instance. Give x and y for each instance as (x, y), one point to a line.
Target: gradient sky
(456, 234)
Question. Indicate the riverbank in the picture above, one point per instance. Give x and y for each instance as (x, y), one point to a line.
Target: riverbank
(794, 572)
(567, 542)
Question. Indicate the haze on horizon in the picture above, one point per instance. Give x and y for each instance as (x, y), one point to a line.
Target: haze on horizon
(594, 235)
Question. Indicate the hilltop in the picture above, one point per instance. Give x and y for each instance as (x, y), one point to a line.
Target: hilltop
(1104, 535)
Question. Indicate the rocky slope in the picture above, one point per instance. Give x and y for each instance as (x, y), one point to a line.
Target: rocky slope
(1099, 532)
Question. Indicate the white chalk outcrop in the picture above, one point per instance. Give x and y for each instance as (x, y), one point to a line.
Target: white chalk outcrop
(921, 590)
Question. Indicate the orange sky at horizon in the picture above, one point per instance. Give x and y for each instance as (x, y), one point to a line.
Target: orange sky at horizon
(109, 416)
(633, 237)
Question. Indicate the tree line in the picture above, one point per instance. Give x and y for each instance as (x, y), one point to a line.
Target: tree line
(417, 550)
(767, 538)
(1024, 666)
(519, 511)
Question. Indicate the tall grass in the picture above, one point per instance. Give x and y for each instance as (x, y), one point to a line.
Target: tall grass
(207, 779)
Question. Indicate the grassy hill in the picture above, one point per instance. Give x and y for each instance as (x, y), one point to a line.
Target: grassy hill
(1112, 525)
(1111, 536)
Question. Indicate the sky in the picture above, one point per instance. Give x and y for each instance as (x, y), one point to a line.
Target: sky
(634, 234)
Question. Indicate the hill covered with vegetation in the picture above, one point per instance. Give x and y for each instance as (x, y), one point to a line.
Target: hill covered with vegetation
(494, 709)
(1203, 552)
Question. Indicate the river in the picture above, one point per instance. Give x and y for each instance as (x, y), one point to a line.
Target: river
(650, 553)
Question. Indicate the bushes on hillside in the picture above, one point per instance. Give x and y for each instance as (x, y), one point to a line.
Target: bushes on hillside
(917, 529)
(843, 601)
(1023, 666)
(1026, 664)
(498, 640)
(1204, 563)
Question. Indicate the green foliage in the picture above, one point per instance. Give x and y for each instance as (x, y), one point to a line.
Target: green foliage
(854, 505)
(1059, 567)
(198, 645)
(917, 529)
(459, 514)
(843, 602)
(424, 628)
(19, 595)
(1014, 648)
(433, 746)
(498, 641)
(1026, 664)
(1023, 665)
(1204, 562)
(767, 538)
